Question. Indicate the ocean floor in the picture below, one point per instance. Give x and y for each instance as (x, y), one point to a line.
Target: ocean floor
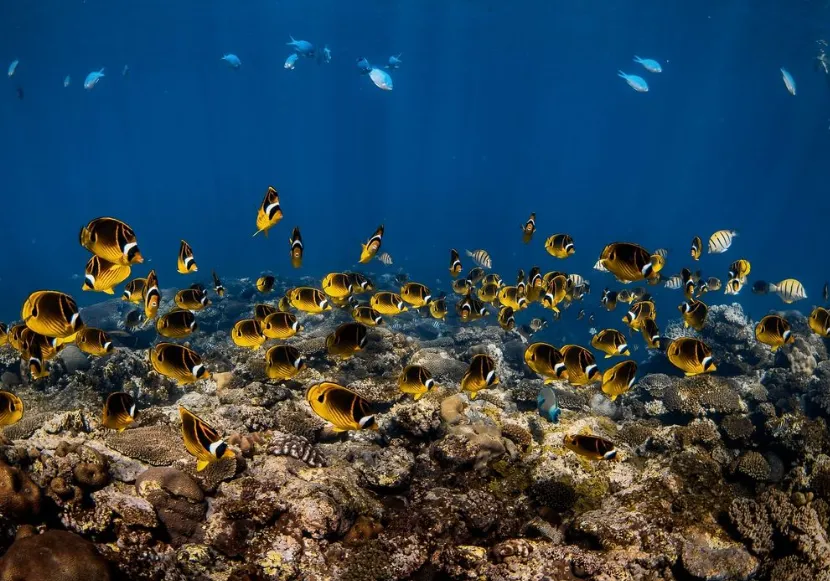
(718, 478)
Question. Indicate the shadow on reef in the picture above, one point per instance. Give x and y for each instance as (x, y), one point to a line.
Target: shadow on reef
(719, 477)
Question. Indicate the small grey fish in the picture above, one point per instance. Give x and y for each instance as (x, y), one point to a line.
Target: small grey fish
(385, 258)
(481, 258)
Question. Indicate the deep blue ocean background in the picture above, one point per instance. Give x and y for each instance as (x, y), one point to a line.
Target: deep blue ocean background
(500, 109)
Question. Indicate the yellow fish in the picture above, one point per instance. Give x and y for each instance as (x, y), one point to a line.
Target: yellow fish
(367, 315)
(217, 285)
(347, 339)
(134, 290)
(775, 331)
(152, 297)
(416, 380)
(177, 362)
(692, 356)
(438, 309)
(619, 379)
(283, 362)
(819, 321)
(592, 447)
(416, 294)
(509, 297)
(93, 341)
(697, 247)
(630, 262)
(337, 285)
(370, 249)
(269, 212)
(341, 406)
(480, 374)
(506, 318)
(51, 313)
(248, 333)
(296, 251)
(308, 299)
(580, 364)
(177, 324)
(694, 314)
(102, 276)
(201, 440)
(119, 411)
(560, 246)
(388, 303)
(547, 361)
(611, 342)
(529, 228)
(192, 299)
(280, 325)
(112, 240)
(186, 263)
(11, 408)
(455, 263)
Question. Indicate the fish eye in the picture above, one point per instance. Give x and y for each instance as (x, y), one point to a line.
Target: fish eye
(321, 398)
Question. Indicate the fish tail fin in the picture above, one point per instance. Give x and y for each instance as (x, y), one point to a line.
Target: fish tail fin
(201, 465)
(621, 74)
(637, 59)
(109, 291)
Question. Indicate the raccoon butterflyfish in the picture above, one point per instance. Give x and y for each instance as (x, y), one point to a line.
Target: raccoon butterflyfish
(692, 356)
(112, 240)
(134, 290)
(506, 319)
(388, 303)
(367, 315)
(265, 283)
(217, 285)
(462, 286)
(689, 281)
(488, 292)
(416, 294)
(638, 313)
(492, 278)
(269, 212)
(611, 342)
(14, 336)
(546, 360)
(694, 314)
(4, 337)
(33, 355)
(280, 325)
(248, 333)
(580, 364)
(775, 331)
(192, 299)
(651, 334)
(560, 245)
(479, 375)
(455, 263)
(740, 269)
(521, 282)
(534, 277)
(476, 275)
(558, 287)
(186, 263)
(283, 362)
(819, 321)
(262, 310)
(102, 276)
(697, 247)
(609, 299)
(177, 362)
(337, 285)
(438, 308)
(201, 440)
(308, 300)
(720, 241)
(93, 341)
(47, 347)
(177, 324)
(416, 380)
(529, 228)
(370, 249)
(51, 313)
(630, 262)
(509, 297)
(341, 406)
(360, 283)
(296, 251)
(347, 339)
(151, 296)
(119, 411)
(11, 408)
(592, 447)
(470, 309)
(619, 379)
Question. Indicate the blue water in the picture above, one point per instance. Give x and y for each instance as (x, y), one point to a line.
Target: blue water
(500, 109)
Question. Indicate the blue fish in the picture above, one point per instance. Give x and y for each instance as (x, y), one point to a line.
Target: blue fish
(650, 65)
(232, 60)
(92, 78)
(637, 83)
(66, 81)
(302, 47)
(789, 81)
(291, 61)
(381, 79)
(13, 67)
(364, 66)
(548, 404)
(394, 61)
(326, 54)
